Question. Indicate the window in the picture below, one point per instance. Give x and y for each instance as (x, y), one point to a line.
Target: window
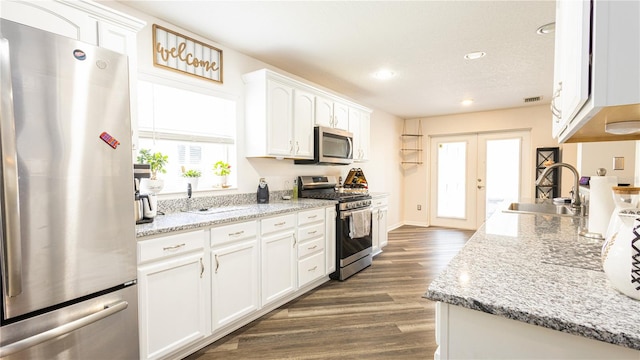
(195, 129)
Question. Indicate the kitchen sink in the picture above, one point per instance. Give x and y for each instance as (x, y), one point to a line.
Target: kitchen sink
(218, 210)
(530, 208)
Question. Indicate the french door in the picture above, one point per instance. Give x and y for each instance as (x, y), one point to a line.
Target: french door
(474, 175)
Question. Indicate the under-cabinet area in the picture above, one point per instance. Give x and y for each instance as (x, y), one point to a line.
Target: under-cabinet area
(197, 285)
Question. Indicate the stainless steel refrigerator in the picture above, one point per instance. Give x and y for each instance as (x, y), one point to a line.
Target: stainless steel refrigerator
(68, 235)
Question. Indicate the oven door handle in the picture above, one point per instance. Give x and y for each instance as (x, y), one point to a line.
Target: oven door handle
(346, 214)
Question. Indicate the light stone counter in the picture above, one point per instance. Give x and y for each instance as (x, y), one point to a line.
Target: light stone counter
(180, 220)
(536, 269)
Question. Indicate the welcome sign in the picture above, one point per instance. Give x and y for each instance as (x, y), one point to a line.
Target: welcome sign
(183, 54)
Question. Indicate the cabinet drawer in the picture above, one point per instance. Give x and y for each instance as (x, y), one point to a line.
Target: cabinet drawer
(228, 233)
(381, 201)
(310, 269)
(310, 216)
(310, 247)
(310, 232)
(278, 223)
(170, 245)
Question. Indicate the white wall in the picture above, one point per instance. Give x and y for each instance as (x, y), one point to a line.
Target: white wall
(537, 118)
(592, 156)
(382, 172)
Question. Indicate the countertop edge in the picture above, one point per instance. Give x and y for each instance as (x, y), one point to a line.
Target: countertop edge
(552, 323)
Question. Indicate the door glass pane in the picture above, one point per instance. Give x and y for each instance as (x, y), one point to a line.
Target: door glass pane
(452, 160)
(503, 173)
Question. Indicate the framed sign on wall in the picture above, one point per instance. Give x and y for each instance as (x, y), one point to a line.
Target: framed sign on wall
(180, 53)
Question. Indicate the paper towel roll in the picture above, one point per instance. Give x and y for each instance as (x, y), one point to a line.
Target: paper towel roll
(601, 203)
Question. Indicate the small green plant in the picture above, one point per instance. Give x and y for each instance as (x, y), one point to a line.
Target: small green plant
(192, 173)
(221, 168)
(156, 160)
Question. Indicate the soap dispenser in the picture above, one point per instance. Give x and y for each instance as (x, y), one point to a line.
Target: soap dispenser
(263, 192)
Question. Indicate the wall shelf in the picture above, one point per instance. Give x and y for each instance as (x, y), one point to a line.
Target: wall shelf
(411, 149)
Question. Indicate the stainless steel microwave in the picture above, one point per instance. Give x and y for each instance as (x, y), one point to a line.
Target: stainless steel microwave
(330, 147)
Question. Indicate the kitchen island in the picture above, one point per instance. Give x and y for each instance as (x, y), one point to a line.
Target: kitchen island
(528, 286)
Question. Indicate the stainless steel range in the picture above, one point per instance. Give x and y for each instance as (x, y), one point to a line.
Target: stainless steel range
(353, 222)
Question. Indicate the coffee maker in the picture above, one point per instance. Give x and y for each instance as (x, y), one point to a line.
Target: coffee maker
(146, 205)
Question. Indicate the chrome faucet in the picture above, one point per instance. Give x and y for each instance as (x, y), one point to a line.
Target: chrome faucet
(576, 202)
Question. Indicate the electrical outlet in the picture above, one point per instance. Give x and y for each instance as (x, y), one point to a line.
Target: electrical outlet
(419, 207)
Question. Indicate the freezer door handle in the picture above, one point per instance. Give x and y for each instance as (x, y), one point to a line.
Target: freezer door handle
(62, 329)
(10, 204)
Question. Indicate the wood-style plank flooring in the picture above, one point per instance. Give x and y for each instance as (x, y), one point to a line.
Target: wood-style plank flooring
(378, 313)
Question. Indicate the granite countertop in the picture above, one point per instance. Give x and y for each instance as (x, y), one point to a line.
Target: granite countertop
(181, 220)
(536, 269)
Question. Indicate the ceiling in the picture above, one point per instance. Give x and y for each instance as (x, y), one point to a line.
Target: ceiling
(340, 44)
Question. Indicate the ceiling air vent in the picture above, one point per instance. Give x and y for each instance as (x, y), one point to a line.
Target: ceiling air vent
(532, 99)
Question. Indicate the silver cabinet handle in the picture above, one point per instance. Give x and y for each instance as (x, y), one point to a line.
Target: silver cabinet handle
(297, 147)
(557, 113)
(237, 233)
(312, 232)
(312, 217)
(313, 268)
(217, 263)
(312, 247)
(174, 247)
(62, 329)
(295, 240)
(290, 147)
(201, 268)
(10, 208)
(280, 223)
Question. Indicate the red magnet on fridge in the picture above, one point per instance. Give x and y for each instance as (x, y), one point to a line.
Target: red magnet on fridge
(109, 139)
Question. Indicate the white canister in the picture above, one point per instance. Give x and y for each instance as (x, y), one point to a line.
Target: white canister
(621, 254)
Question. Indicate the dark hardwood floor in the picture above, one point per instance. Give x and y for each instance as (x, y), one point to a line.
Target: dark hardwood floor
(377, 314)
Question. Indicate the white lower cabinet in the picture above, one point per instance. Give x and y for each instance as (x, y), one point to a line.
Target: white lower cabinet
(379, 232)
(330, 237)
(195, 287)
(311, 237)
(279, 257)
(173, 293)
(234, 272)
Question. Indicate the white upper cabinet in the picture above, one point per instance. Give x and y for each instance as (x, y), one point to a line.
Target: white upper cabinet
(331, 113)
(596, 75)
(281, 113)
(359, 125)
(279, 117)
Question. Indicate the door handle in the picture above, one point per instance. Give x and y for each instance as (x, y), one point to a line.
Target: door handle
(10, 207)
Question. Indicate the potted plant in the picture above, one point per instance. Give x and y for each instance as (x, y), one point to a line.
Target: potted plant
(221, 169)
(191, 176)
(157, 162)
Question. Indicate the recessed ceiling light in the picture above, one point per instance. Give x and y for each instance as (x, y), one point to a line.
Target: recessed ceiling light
(623, 127)
(383, 74)
(546, 29)
(466, 102)
(475, 55)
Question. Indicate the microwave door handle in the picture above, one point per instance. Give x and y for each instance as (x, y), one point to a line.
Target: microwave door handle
(10, 206)
(350, 156)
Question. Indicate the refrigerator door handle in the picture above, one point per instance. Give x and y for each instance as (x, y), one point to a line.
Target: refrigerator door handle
(11, 204)
(34, 340)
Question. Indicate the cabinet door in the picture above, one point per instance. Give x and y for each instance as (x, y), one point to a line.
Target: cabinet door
(279, 270)
(234, 281)
(375, 232)
(360, 127)
(572, 83)
(383, 236)
(330, 234)
(323, 112)
(303, 115)
(53, 17)
(340, 116)
(173, 304)
(279, 118)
